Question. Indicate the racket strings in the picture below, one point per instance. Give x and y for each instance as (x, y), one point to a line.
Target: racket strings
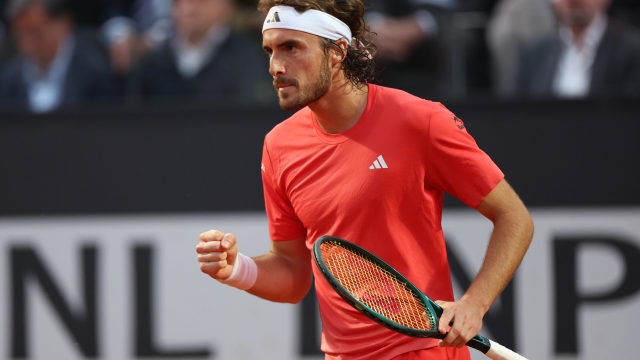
(375, 287)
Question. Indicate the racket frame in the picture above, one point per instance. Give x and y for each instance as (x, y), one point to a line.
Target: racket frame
(433, 310)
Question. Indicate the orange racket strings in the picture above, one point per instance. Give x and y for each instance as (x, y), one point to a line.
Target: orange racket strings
(375, 287)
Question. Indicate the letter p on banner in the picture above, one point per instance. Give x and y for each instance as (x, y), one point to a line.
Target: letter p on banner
(568, 298)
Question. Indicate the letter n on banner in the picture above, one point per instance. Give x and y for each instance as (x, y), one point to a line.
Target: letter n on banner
(81, 325)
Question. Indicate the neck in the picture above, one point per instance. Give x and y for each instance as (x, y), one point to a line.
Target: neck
(341, 108)
(197, 38)
(44, 63)
(580, 30)
(578, 34)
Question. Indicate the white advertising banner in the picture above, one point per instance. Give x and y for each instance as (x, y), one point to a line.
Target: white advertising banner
(129, 287)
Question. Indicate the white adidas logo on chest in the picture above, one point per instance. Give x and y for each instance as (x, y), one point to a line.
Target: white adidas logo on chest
(379, 164)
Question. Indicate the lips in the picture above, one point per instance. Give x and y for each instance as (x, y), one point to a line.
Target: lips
(282, 84)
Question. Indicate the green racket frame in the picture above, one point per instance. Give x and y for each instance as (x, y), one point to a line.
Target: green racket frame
(433, 310)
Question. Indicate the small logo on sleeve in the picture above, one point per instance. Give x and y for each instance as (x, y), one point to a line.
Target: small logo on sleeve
(379, 164)
(458, 122)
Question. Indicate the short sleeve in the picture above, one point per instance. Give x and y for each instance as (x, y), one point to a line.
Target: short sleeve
(283, 222)
(455, 163)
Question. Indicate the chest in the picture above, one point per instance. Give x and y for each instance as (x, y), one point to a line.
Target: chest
(341, 182)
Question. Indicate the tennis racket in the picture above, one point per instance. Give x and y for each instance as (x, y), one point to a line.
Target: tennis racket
(381, 293)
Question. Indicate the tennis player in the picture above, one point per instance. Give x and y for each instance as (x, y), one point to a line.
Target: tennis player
(368, 164)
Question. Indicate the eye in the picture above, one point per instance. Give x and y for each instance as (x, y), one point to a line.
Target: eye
(291, 47)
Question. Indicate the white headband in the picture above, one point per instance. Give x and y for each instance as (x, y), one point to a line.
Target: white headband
(311, 21)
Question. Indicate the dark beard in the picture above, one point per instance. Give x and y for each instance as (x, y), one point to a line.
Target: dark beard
(305, 97)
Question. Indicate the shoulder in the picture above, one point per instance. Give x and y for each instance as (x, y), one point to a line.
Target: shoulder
(402, 107)
(159, 58)
(87, 55)
(238, 39)
(393, 96)
(290, 128)
(241, 51)
(89, 69)
(11, 77)
(239, 45)
(12, 69)
(419, 116)
(401, 101)
(628, 36)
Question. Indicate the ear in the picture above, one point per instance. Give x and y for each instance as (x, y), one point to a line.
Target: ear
(339, 56)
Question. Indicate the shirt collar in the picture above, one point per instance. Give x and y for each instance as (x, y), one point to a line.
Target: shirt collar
(214, 37)
(191, 59)
(57, 70)
(592, 35)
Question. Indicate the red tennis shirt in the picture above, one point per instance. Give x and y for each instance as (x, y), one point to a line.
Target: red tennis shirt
(379, 184)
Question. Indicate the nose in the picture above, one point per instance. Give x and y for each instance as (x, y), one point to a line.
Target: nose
(276, 66)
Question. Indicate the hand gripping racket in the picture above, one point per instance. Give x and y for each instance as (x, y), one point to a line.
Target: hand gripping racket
(385, 296)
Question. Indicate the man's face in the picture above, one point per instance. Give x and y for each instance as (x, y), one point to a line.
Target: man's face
(579, 12)
(194, 18)
(299, 66)
(38, 35)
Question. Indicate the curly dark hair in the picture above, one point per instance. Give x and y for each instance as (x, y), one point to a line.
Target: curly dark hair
(358, 64)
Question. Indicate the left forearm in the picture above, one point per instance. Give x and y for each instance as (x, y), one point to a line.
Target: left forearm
(512, 233)
(509, 242)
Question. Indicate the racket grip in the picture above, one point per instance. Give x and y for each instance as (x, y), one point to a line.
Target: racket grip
(493, 350)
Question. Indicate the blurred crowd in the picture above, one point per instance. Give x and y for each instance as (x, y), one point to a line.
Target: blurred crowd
(64, 53)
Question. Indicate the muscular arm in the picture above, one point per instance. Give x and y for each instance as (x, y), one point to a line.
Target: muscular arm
(284, 273)
(512, 233)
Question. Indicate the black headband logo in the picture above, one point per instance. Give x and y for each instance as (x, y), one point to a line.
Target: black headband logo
(274, 18)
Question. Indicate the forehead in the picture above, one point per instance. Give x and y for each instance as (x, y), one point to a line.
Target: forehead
(273, 37)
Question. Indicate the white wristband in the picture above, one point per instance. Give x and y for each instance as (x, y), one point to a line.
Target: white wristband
(244, 273)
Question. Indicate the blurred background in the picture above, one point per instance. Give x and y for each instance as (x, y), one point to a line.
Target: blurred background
(128, 127)
(66, 54)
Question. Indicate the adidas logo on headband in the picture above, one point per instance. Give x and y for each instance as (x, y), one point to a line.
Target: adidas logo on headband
(274, 18)
(310, 21)
(313, 22)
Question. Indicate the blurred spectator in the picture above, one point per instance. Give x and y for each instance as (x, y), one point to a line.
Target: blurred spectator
(400, 27)
(592, 56)
(53, 67)
(432, 47)
(627, 11)
(204, 60)
(248, 19)
(515, 25)
(133, 28)
(407, 49)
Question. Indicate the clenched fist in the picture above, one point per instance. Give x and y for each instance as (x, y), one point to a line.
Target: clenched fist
(217, 252)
